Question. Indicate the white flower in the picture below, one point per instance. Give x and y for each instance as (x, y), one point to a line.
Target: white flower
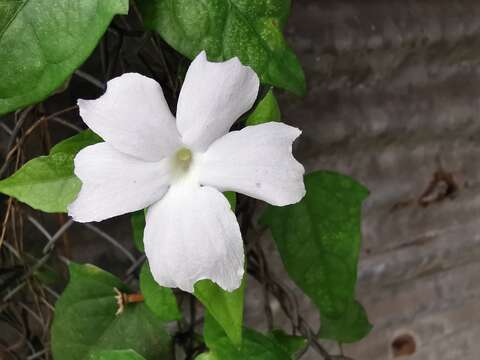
(178, 169)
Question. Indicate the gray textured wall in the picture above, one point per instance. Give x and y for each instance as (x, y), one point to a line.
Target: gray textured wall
(394, 102)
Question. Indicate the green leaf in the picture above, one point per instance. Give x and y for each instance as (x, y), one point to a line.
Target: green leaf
(232, 199)
(116, 355)
(42, 42)
(159, 299)
(138, 226)
(267, 110)
(85, 320)
(352, 326)
(248, 29)
(319, 242)
(48, 275)
(291, 344)
(74, 144)
(225, 307)
(255, 346)
(207, 356)
(47, 183)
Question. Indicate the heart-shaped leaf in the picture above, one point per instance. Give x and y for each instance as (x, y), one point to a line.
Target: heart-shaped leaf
(86, 323)
(47, 183)
(319, 242)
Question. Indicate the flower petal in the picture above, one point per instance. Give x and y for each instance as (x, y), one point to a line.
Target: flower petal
(133, 117)
(213, 97)
(114, 183)
(192, 234)
(256, 161)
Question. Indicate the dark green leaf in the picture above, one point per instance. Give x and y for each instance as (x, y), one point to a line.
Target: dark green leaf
(85, 320)
(352, 326)
(47, 183)
(291, 344)
(116, 355)
(225, 307)
(267, 110)
(138, 226)
(319, 242)
(232, 199)
(159, 299)
(255, 346)
(48, 275)
(248, 29)
(42, 42)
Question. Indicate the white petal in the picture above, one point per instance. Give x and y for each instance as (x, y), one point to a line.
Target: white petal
(133, 117)
(213, 97)
(114, 183)
(256, 161)
(190, 235)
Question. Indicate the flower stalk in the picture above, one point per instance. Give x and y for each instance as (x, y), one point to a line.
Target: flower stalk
(123, 299)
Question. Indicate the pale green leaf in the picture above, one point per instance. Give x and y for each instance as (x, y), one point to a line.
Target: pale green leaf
(47, 183)
(116, 355)
(74, 144)
(207, 356)
(267, 110)
(225, 307)
(159, 299)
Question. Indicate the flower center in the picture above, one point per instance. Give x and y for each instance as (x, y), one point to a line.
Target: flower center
(183, 158)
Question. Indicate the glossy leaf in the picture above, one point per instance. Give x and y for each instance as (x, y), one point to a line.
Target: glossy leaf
(159, 299)
(116, 355)
(267, 110)
(225, 307)
(42, 42)
(319, 242)
(255, 346)
(47, 183)
(248, 29)
(85, 321)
